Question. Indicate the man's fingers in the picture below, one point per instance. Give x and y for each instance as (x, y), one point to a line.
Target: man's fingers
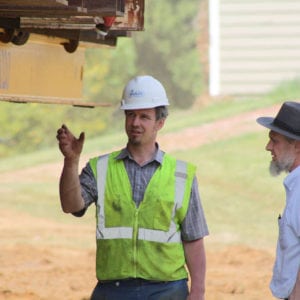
(65, 128)
(64, 136)
(81, 137)
(62, 129)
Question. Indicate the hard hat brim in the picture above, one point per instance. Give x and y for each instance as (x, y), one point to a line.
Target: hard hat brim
(124, 106)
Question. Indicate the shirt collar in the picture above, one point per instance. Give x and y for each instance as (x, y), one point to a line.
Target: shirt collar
(290, 179)
(158, 155)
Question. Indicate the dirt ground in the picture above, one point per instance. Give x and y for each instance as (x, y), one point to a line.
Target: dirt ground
(38, 263)
(33, 268)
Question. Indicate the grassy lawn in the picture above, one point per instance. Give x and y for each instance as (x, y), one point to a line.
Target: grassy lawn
(240, 199)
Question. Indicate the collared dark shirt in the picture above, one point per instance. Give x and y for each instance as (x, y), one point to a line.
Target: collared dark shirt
(194, 225)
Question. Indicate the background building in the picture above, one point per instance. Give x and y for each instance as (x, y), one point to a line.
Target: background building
(253, 45)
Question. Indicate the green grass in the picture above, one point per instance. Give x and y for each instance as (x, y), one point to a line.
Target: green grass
(241, 200)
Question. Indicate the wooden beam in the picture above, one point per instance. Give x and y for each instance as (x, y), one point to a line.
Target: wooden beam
(88, 36)
(34, 3)
(103, 7)
(25, 11)
(50, 100)
(84, 23)
(47, 8)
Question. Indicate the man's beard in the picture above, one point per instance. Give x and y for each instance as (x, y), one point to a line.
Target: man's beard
(134, 141)
(277, 167)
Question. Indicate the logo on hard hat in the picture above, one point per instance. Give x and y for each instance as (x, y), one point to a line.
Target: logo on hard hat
(134, 93)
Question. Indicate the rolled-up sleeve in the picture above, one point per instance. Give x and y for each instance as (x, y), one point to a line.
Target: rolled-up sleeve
(194, 225)
(88, 188)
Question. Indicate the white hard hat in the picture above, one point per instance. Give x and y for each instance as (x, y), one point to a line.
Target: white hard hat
(143, 92)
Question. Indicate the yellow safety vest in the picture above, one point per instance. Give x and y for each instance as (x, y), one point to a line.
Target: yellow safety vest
(143, 242)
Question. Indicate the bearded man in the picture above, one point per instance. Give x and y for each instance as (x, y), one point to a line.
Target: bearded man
(284, 145)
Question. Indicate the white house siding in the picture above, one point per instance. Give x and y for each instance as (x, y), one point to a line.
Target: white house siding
(259, 45)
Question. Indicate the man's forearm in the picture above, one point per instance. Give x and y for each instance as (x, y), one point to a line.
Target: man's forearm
(69, 188)
(196, 263)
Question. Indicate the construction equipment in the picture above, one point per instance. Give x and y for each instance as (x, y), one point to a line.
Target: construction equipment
(42, 44)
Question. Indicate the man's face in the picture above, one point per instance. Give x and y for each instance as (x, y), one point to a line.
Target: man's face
(141, 126)
(283, 153)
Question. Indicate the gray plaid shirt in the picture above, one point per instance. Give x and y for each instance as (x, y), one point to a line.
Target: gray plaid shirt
(194, 225)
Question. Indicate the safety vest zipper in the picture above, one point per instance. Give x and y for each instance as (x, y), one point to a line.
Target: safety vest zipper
(135, 238)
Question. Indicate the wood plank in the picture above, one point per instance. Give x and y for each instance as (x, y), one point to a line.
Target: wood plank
(33, 3)
(116, 5)
(51, 100)
(48, 11)
(88, 36)
(100, 8)
(84, 23)
(15, 8)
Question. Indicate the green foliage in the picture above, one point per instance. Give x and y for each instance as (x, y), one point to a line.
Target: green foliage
(168, 50)
(29, 127)
(26, 127)
(107, 70)
(97, 66)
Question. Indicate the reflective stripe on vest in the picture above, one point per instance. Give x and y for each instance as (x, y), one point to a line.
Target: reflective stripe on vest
(143, 234)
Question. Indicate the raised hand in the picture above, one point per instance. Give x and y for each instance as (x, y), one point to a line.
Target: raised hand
(69, 145)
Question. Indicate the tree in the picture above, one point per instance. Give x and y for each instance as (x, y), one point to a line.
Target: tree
(107, 70)
(168, 48)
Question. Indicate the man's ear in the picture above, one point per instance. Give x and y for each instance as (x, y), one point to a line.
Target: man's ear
(160, 123)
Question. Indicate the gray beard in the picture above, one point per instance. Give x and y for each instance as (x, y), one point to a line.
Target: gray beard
(276, 168)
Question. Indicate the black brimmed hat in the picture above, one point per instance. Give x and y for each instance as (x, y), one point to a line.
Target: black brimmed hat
(287, 121)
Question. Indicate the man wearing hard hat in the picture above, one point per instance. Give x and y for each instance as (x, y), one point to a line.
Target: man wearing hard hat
(150, 221)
